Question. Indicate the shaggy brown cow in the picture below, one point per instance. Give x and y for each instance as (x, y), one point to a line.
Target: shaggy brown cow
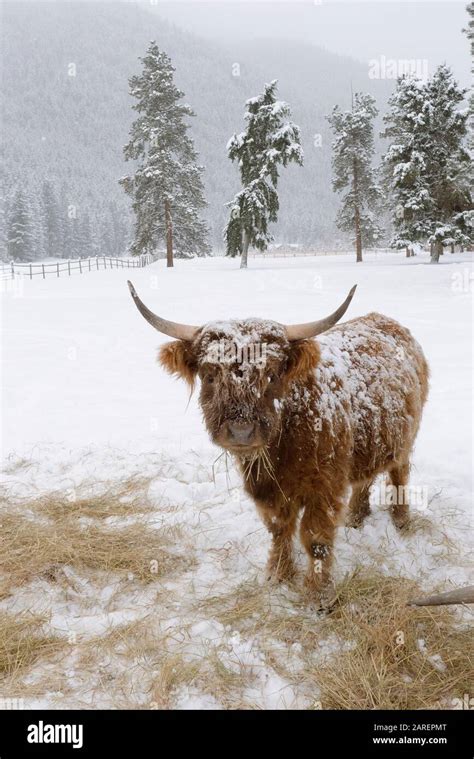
(306, 420)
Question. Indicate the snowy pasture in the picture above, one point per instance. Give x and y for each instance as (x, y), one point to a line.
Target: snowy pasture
(86, 407)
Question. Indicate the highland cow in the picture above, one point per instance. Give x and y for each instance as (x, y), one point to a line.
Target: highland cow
(309, 422)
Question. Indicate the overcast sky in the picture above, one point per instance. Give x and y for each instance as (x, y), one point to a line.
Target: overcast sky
(429, 30)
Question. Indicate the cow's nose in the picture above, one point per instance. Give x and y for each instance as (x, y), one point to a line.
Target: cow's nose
(240, 433)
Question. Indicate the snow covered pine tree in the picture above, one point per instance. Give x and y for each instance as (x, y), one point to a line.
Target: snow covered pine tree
(353, 149)
(20, 240)
(448, 163)
(269, 140)
(404, 164)
(428, 171)
(51, 221)
(166, 188)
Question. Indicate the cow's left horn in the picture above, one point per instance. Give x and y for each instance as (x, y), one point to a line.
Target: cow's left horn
(311, 329)
(173, 329)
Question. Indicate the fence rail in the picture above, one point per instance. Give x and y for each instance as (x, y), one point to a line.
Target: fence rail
(69, 267)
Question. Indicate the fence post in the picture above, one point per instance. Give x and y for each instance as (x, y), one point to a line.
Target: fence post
(44, 276)
(69, 267)
(89, 264)
(13, 269)
(57, 267)
(31, 271)
(105, 264)
(80, 266)
(97, 262)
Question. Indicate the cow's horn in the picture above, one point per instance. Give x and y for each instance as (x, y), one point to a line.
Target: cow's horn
(179, 331)
(311, 329)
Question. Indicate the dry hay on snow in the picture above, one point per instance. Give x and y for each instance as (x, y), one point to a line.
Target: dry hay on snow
(40, 536)
(372, 651)
(23, 641)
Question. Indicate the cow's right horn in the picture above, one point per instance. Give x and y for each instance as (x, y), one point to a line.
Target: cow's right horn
(172, 329)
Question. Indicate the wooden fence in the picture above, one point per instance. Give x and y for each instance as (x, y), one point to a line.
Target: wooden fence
(68, 267)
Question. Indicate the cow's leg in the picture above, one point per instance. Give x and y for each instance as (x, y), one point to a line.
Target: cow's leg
(359, 506)
(318, 526)
(400, 508)
(281, 525)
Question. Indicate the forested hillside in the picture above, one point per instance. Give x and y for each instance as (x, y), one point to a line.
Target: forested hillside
(67, 113)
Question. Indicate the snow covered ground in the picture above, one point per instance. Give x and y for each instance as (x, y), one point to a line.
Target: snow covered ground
(83, 399)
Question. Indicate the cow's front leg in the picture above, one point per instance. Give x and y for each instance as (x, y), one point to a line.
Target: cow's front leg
(280, 521)
(318, 527)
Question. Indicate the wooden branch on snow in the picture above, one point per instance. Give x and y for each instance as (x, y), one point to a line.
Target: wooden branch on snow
(458, 596)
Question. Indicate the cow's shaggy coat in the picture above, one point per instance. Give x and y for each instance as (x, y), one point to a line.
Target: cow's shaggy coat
(308, 421)
(321, 419)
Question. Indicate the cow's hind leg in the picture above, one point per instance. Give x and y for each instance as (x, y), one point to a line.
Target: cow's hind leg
(359, 506)
(399, 506)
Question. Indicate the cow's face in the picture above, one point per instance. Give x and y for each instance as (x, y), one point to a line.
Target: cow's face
(245, 369)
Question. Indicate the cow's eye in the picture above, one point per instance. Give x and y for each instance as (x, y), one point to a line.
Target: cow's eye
(209, 379)
(271, 377)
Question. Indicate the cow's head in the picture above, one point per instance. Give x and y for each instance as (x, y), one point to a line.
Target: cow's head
(245, 367)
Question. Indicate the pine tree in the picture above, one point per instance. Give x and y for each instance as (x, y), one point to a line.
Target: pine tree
(20, 242)
(428, 171)
(51, 226)
(269, 140)
(86, 238)
(404, 164)
(469, 31)
(72, 235)
(167, 185)
(448, 164)
(353, 149)
(119, 230)
(112, 236)
(3, 229)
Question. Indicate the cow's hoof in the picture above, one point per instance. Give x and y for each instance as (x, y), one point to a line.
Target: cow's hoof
(401, 521)
(355, 521)
(321, 599)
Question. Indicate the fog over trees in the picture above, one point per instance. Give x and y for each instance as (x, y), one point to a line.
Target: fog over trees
(68, 113)
(67, 117)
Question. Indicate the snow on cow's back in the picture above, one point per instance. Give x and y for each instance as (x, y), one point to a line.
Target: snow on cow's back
(368, 347)
(375, 365)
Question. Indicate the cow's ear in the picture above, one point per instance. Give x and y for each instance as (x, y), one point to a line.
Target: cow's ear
(179, 359)
(303, 359)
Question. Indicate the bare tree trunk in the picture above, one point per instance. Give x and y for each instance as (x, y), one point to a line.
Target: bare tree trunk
(407, 252)
(245, 249)
(436, 252)
(452, 248)
(169, 234)
(358, 233)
